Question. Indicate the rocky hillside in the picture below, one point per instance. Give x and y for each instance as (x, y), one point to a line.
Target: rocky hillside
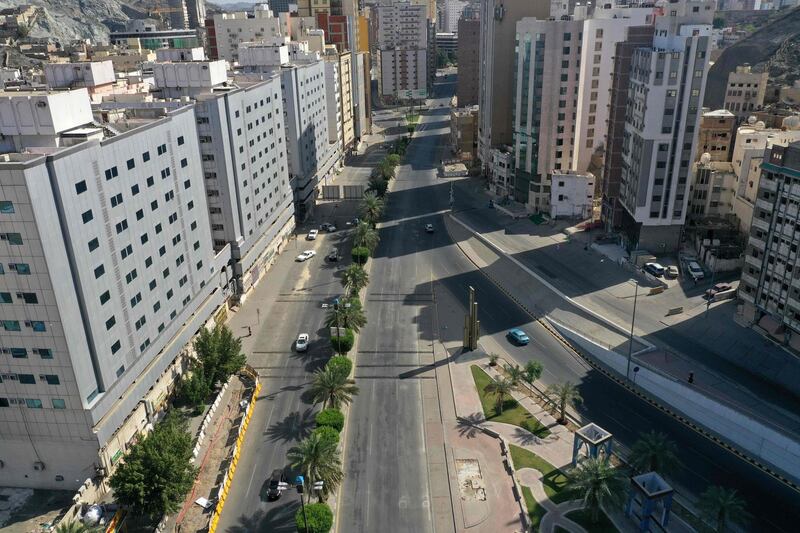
(80, 19)
(773, 48)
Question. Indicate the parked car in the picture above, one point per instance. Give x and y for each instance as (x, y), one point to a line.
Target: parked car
(429, 228)
(275, 480)
(305, 256)
(719, 287)
(312, 235)
(672, 272)
(695, 270)
(655, 269)
(518, 336)
(301, 344)
(333, 255)
(327, 226)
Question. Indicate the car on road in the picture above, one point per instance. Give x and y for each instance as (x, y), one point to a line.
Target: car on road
(333, 255)
(695, 270)
(312, 235)
(353, 222)
(327, 226)
(429, 228)
(518, 336)
(305, 256)
(671, 272)
(719, 287)
(654, 268)
(275, 480)
(301, 344)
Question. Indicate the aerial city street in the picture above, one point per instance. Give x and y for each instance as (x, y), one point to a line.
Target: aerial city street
(400, 266)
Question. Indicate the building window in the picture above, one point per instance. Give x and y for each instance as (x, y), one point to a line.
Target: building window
(26, 379)
(106, 296)
(99, 271)
(11, 325)
(18, 353)
(131, 164)
(115, 347)
(44, 353)
(52, 379)
(146, 157)
(58, 403)
(184, 163)
(80, 187)
(116, 200)
(110, 322)
(180, 140)
(87, 216)
(5, 298)
(29, 297)
(33, 403)
(111, 173)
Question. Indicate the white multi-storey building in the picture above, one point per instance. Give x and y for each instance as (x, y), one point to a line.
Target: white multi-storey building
(240, 131)
(333, 94)
(402, 49)
(233, 29)
(109, 270)
(665, 95)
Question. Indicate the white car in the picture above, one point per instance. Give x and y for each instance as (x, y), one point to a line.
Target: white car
(305, 256)
(312, 235)
(327, 226)
(301, 344)
(429, 228)
(695, 270)
(655, 269)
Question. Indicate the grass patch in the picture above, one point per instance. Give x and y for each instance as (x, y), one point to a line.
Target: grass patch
(513, 413)
(583, 518)
(553, 479)
(535, 511)
(412, 118)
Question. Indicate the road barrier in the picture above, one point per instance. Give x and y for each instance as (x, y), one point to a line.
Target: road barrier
(674, 311)
(222, 495)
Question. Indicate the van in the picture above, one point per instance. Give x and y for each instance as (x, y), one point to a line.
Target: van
(655, 269)
(695, 270)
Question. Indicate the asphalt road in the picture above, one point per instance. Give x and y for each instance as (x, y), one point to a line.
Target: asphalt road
(388, 422)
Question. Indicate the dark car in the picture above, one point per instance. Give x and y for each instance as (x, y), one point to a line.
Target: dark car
(275, 480)
(333, 255)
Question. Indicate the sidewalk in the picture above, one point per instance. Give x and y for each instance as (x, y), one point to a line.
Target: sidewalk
(544, 300)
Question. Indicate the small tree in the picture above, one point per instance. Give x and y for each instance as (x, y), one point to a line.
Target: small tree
(193, 390)
(360, 254)
(533, 371)
(723, 506)
(330, 388)
(393, 159)
(371, 208)
(501, 390)
(156, 475)
(563, 395)
(366, 236)
(320, 518)
(354, 278)
(344, 343)
(219, 353)
(654, 452)
(328, 433)
(330, 418)
(598, 483)
(493, 357)
(318, 460)
(515, 374)
(341, 365)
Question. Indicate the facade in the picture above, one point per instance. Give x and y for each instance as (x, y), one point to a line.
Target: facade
(362, 95)
(716, 135)
(447, 42)
(333, 95)
(346, 77)
(402, 48)
(464, 131)
(469, 38)
(611, 208)
(498, 21)
(501, 170)
(196, 10)
(154, 39)
(110, 270)
(745, 91)
(769, 287)
(713, 189)
(232, 29)
(451, 13)
(667, 84)
(572, 195)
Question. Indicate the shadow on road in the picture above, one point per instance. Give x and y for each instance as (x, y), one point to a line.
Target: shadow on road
(295, 427)
(276, 520)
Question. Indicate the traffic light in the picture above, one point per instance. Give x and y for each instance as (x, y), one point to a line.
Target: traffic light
(299, 482)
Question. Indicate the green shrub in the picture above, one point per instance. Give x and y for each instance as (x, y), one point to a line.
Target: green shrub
(332, 418)
(360, 254)
(341, 365)
(344, 343)
(327, 433)
(319, 515)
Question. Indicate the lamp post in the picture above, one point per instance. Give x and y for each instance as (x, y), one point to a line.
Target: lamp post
(633, 321)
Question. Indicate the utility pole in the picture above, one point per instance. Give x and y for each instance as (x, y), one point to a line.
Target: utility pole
(471, 323)
(630, 339)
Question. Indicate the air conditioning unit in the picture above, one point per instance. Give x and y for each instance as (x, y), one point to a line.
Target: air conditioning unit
(38, 465)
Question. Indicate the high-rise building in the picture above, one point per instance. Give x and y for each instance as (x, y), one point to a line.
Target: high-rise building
(197, 13)
(451, 11)
(498, 21)
(469, 38)
(403, 43)
(770, 287)
(243, 159)
(106, 246)
(716, 135)
(745, 91)
(665, 94)
(229, 30)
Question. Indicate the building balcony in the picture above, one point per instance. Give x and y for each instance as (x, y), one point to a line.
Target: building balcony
(760, 223)
(749, 280)
(754, 261)
(768, 184)
(764, 204)
(757, 243)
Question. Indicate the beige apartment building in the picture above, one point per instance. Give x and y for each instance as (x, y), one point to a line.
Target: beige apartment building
(745, 91)
(716, 134)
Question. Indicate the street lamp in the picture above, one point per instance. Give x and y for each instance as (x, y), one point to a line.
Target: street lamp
(300, 484)
(633, 321)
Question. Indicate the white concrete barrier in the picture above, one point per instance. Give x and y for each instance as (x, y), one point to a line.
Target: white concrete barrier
(761, 441)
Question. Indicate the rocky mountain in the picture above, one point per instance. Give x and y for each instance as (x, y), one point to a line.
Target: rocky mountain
(80, 19)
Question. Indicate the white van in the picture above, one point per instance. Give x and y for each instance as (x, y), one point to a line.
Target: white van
(695, 270)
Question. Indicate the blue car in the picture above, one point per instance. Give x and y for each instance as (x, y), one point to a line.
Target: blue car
(519, 336)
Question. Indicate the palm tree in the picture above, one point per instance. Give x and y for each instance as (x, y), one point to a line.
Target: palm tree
(723, 505)
(563, 395)
(598, 483)
(654, 452)
(351, 317)
(371, 208)
(493, 357)
(501, 389)
(332, 389)
(379, 185)
(354, 278)
(514, 374)
(319, 460)
(366, 236)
